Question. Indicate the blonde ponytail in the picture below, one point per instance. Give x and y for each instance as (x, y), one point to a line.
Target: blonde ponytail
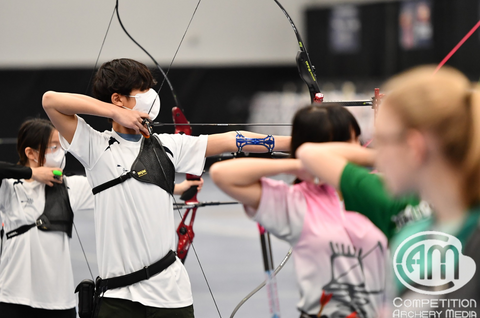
(445, 105)
(471, 168)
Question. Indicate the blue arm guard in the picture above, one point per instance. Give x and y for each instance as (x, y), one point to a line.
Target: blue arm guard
(242, 141)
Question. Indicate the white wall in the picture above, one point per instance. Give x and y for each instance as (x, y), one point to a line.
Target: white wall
(58, 33)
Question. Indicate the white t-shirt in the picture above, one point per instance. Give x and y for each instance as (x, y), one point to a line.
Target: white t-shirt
(35, 269)
(134, 221)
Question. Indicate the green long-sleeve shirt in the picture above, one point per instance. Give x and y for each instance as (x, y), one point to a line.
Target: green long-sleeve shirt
(364, 192)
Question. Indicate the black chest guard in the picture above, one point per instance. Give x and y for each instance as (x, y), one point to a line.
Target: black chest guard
(57, 214)
(152, 165)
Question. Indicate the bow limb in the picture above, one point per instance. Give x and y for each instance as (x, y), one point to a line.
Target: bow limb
(270, 279)
(305, 67)
(253, 292)
(164, 74)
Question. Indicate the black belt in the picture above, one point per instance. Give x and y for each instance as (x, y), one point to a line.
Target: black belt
(89, 306)
(102, 285)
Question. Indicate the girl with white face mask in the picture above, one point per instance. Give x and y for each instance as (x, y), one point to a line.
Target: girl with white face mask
(36, 278)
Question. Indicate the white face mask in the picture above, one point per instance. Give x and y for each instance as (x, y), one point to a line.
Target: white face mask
(144, 102)
(56, 159)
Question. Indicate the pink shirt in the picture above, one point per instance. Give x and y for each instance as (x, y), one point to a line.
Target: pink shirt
(335, 251)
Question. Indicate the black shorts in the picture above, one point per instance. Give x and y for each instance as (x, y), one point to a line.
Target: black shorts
(122, 308)
(22, 311)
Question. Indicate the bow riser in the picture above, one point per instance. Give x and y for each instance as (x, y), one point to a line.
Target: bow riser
(185, 234)
(185, 231)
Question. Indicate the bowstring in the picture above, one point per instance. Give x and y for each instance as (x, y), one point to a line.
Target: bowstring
(86, 91)
(100, 52)
(83, 250)
(178, 48)
(165, 79)
(191, 239)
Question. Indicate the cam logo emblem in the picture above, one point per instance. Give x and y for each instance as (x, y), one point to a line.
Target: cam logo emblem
(142, 173)
(432, 263)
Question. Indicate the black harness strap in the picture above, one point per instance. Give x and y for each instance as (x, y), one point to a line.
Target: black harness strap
(22, 229)
(111, 183)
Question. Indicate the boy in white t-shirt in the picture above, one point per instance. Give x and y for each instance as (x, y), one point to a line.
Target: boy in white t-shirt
(134, 221)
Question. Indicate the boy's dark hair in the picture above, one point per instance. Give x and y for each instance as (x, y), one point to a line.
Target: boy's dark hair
(322, 124)
(121, 76)
(34, 133)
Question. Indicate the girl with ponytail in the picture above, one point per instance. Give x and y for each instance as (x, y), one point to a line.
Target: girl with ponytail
(36, 276)
(428, 142)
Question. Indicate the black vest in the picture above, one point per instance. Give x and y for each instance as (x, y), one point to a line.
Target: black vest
(152, 165)
(57, 214)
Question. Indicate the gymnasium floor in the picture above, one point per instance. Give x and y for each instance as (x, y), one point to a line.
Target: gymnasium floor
(228, 247)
